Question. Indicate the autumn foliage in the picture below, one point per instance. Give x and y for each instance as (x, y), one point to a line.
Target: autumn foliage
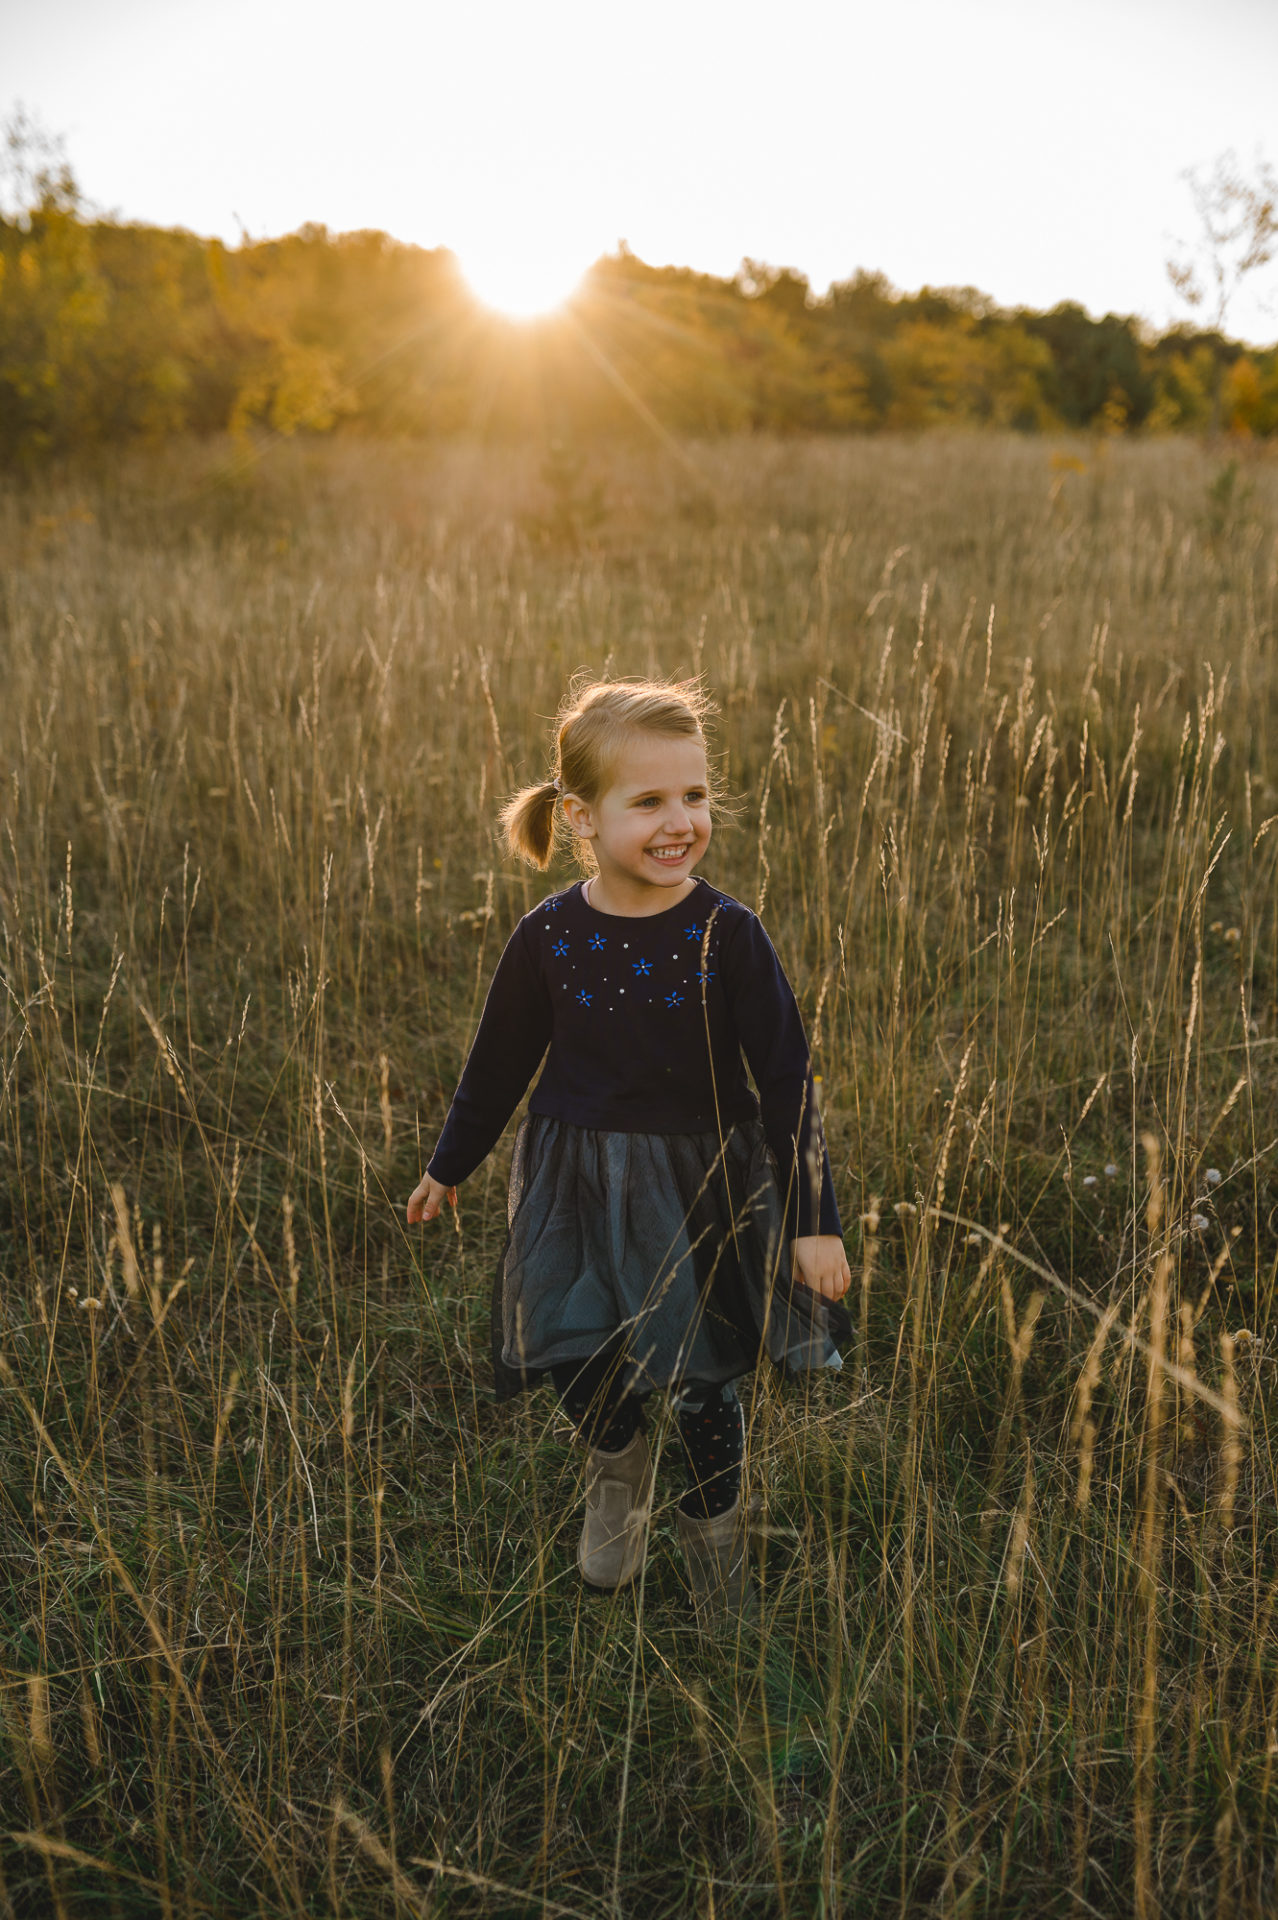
(111, 333)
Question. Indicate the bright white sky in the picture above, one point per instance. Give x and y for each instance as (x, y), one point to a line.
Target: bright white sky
(1032, 148)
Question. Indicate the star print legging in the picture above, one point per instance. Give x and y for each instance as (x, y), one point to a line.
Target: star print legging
(710, 1427)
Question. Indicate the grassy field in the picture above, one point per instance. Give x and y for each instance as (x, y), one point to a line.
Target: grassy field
(290, 1622)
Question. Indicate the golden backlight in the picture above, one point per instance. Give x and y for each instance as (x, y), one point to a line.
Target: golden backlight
(522, 281)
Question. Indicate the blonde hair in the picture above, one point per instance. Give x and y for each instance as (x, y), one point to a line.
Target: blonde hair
(596, 722)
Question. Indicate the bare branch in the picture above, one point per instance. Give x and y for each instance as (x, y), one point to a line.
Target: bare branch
(1237, 232)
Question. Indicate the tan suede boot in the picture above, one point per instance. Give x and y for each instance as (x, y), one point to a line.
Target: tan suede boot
(614, 1538)
(716, 1554)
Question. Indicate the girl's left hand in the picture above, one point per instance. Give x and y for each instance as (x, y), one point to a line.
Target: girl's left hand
(821, 1265)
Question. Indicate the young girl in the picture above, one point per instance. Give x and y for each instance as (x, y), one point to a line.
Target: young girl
(666, 1227)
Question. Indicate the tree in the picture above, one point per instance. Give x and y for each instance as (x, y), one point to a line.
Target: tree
(1095, 364)
(52, 299)
(1238, 233)
(35, 174)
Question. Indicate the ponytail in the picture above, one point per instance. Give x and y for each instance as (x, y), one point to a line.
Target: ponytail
(528, 821)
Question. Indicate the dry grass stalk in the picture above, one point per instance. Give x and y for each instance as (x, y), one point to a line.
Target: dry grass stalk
(244, 867)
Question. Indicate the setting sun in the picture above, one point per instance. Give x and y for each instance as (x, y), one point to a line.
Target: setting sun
(523, 280)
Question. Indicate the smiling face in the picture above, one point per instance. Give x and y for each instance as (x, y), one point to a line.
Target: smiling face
(649, 828)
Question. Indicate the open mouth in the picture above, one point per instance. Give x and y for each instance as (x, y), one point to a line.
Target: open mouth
(669, 856)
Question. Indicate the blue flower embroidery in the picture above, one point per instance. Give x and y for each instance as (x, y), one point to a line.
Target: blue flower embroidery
(583, 996)
(706, 976)
(692, 933)
(674, 999)
(560, 948)
(642, 967)
(596, 941)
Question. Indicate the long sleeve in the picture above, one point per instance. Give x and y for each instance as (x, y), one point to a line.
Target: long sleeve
(513, 1034)
(770, 1029)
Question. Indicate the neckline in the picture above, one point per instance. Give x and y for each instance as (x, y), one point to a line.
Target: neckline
(641, 919)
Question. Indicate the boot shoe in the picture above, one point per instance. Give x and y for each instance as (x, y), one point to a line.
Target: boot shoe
(716, 1554)
(614, 1538)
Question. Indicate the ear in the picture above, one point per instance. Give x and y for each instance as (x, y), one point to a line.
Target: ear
(579, 818)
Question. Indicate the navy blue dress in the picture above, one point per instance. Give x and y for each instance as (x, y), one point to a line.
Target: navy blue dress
(653, 1196)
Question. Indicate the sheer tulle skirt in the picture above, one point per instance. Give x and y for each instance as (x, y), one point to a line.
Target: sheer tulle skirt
(667, 1249)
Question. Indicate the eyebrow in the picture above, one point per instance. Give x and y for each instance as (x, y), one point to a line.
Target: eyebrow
(642, 793)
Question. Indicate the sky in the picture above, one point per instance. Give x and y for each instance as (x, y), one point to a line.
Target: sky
(1032, 148)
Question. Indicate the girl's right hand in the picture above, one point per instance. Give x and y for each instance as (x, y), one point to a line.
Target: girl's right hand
(426, 1199)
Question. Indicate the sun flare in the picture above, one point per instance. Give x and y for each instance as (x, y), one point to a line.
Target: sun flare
(522, 282)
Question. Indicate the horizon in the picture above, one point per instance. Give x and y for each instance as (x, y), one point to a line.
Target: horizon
(1040, 161)
(1188, 323)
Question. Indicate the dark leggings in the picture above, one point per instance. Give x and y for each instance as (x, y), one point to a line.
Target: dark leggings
(711, 1428)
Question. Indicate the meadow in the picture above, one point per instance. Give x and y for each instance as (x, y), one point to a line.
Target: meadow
(290, 1620)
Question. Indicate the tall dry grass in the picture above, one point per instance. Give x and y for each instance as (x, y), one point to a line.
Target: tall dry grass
(291, 1623)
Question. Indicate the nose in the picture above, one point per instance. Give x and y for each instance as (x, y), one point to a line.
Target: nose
(678, 819)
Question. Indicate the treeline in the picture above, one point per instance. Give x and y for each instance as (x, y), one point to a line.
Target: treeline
(112, 332)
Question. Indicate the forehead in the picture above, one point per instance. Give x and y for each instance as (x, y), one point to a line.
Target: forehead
(650, 762)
